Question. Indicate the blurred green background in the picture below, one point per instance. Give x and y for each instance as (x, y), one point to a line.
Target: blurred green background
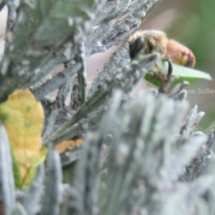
(193, 24)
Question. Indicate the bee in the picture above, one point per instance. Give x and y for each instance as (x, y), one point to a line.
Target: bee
(155, 41)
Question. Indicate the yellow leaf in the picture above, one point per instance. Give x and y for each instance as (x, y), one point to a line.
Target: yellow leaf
(23, 118)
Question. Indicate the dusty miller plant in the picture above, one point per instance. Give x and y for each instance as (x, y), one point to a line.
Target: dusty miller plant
(141, 154)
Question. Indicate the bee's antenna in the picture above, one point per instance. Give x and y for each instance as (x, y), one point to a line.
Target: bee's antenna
(114, 40)
(126, 41)
(170, 69)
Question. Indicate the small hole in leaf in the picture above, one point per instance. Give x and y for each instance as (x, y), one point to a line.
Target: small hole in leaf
(4, 117)
(27, 124)
(28, 108)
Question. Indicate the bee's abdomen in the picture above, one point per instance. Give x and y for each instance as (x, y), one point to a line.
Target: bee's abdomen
(180, 54)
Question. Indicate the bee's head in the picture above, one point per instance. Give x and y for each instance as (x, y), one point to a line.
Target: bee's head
(136, 45)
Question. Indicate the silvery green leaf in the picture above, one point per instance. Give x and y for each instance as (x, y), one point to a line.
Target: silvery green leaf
(33, 196)
(53, 182)
(6, 172)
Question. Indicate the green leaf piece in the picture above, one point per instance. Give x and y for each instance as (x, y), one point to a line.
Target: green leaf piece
(183, 73)
(15, 170)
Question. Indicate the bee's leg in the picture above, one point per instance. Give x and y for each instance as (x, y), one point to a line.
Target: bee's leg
(163, 89)
(164, 58)
(160, 69)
